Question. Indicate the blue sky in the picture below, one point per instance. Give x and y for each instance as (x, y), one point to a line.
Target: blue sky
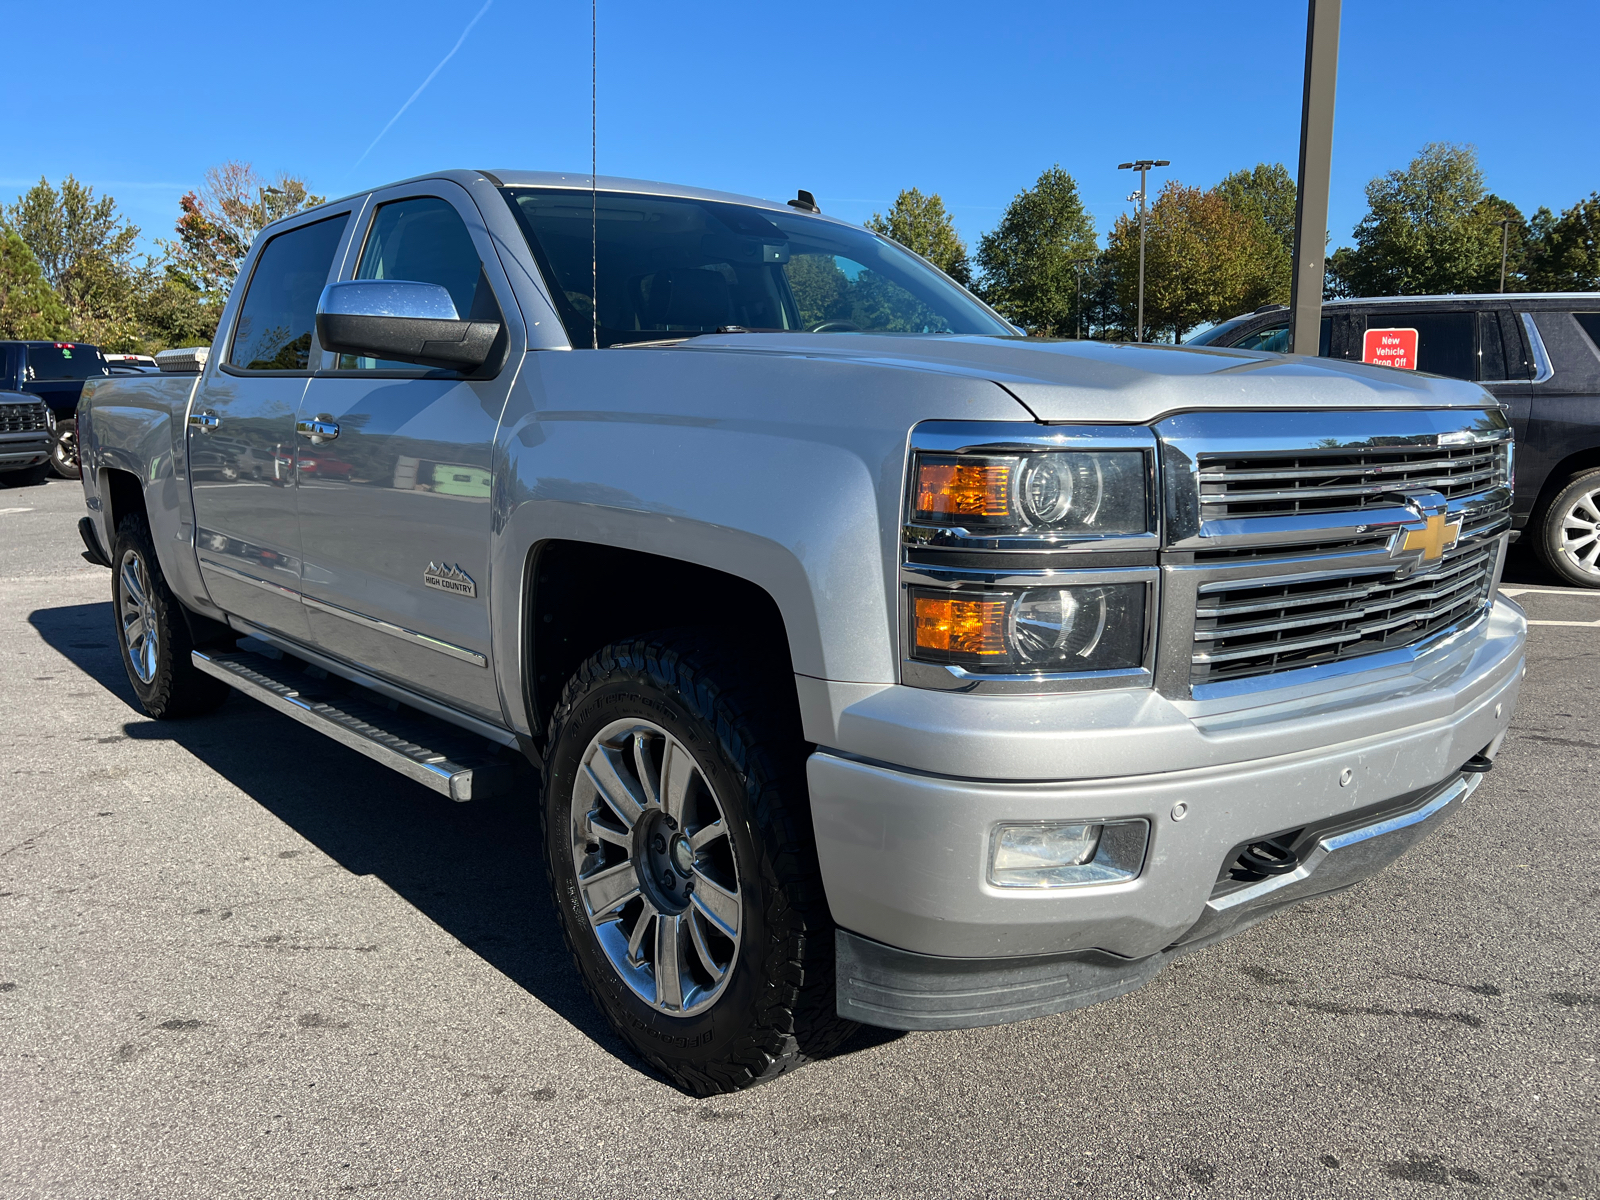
(851, 101)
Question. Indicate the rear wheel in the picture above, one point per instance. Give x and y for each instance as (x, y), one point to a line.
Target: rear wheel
(152, 633)
(680, 851)
(64, 450)
(1569, 531)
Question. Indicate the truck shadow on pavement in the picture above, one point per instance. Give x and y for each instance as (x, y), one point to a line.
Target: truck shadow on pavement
(475, 869)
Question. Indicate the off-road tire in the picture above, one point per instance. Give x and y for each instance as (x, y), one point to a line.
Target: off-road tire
(175, 688)
(777, 1009)
(64, 450)
(1550, 522)
(27, 477)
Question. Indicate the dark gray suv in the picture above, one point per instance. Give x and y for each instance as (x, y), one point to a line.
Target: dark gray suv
(1538, 354)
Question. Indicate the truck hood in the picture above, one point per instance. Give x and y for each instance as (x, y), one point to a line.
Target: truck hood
(1116, 382)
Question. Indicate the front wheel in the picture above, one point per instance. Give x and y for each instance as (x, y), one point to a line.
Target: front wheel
(1569, 531)
(152, 633)
(679, 847)
(64, 450)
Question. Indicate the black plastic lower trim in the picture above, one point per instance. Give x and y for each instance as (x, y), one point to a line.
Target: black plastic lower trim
(91, 543)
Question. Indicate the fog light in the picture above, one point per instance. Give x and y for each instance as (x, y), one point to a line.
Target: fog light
(1061, 854)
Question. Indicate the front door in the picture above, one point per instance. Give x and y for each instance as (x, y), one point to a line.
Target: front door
(242, 423)
(395, 508)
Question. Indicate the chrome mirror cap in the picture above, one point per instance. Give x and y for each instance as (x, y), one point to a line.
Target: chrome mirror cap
(387, 298)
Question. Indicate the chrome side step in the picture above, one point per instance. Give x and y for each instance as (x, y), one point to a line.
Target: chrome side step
(449, 764)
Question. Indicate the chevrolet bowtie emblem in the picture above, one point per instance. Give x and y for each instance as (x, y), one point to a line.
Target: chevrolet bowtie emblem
(1436, 536)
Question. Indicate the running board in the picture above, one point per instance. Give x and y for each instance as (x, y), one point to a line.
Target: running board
(448, 763)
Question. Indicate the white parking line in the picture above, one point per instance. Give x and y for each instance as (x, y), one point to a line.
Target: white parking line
(1532, 591)
(7, 511)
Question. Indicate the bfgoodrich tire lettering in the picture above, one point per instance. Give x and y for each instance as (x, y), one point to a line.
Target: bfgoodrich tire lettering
(151, 632)
(774, 1008)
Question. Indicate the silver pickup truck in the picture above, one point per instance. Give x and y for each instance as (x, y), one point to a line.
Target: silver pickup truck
(876, 663)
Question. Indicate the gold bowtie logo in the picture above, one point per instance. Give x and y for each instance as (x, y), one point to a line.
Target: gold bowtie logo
(1433, 539)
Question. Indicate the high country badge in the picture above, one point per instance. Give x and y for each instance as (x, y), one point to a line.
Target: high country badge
(449, 578)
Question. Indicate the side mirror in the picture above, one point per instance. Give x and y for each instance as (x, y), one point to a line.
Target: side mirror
(404, 321)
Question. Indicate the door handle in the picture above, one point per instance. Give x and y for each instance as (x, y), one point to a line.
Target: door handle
(318, 431)
(205, 422)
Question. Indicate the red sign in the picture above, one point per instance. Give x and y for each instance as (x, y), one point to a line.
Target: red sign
(1391, 348)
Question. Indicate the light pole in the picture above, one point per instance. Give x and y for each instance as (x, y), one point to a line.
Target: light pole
(1505, 239)
(1078, 265)
(1142, 166)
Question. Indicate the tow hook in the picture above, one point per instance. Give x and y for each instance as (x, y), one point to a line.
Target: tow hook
(1478, 764)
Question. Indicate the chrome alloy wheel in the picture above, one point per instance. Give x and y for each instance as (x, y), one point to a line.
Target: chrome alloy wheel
(64, 451)
(656, 867)
(137, 615)
(1580, 533)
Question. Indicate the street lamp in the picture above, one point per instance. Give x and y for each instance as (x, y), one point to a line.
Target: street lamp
(1505, 239)
(1142, 166)
(1078, 264)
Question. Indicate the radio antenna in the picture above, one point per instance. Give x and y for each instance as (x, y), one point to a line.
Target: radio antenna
(594, 194)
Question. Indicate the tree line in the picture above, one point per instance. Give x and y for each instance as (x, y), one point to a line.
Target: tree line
(69, 268)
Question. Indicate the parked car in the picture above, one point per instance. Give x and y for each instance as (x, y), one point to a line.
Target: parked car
(55, 372)
(878, 665)
(1539, 354)
(24, 439)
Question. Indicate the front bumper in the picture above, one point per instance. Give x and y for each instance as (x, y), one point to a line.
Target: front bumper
(904, 852)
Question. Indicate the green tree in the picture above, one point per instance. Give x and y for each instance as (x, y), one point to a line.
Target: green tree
(1563, 254)
(1429, 229)
(1206, 260)
(1027, 262)
(921, 224)
(29, 306)
(1269, 190)
(218, 222)
(85, 250)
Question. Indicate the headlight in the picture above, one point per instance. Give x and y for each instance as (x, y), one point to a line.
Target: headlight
(1086, 627)
(1097, 493)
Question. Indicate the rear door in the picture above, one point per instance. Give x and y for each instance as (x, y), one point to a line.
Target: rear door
(241, 423)
(1564, 413)
(395, 512)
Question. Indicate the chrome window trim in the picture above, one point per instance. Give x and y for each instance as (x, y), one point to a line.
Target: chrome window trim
(1543, 371)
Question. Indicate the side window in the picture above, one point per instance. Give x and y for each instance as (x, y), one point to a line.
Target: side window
(1590, 324)
(423, 240)
(1275, 338)
(1446, 342)
(279, 310)
(1491, 349)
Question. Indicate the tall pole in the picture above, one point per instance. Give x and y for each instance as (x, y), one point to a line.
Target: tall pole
(1316, 166)
(1143, 166)
(1505, 240)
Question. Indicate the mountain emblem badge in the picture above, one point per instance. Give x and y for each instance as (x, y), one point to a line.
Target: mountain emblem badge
(447, 577)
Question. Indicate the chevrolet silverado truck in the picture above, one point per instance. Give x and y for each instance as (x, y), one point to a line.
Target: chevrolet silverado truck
(875, 664)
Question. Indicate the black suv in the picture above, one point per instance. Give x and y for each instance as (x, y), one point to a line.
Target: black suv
(1538, 354)
(55, 372)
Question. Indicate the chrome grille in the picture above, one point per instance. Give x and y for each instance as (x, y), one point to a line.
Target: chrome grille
(1270, 485)
(23, 418)
(1254, 627)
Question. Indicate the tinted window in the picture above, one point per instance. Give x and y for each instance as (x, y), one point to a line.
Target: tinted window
(673, 267)
(280, 306)
(1446, 342)
(423, 240)
(1591, 326)
(65, 360)
(1491, 348)
(1274, 338)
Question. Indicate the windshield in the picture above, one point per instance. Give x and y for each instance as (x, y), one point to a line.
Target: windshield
(668, 267)
(65, 360)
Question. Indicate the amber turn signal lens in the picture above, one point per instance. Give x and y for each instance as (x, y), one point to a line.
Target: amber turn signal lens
(948, 626)
(963, 489)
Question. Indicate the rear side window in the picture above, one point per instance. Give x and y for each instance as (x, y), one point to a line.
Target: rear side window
(423, 240)
(279, 310)
(64, 360)
(1590, 322)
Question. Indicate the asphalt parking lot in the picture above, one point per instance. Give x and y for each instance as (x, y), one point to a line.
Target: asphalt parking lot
(239, 960)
